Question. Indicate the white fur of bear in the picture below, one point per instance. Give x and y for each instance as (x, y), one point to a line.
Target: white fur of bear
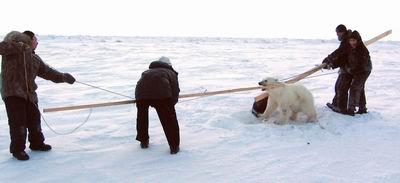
(290, 98)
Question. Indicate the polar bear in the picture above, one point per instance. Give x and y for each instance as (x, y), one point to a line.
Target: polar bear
(290, 98)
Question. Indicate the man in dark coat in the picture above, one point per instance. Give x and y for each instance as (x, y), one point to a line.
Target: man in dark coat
(18, 91)
(158, 87)
(335, 60)
(357, 69)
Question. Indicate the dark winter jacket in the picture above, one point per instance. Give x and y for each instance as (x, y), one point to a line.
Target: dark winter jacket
(358, 60)
(9, 48)
(339, 56)
(159, 82)
(18, 73)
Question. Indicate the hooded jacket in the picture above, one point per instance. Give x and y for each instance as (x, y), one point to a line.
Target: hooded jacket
(358, 60)
(159, 82)
(20, 67)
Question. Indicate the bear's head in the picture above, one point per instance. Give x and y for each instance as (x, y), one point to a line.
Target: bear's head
(268, 80)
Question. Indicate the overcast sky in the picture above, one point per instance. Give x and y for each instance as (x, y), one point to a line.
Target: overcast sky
(212, 18)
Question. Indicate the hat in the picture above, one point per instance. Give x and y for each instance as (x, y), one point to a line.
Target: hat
(341, 28)
(165, 60)
(355, 35)
(29, 33)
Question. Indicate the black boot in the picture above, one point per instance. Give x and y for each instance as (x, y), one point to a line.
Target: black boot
(41, 147)
(351, 111)
(144, 144)
(362, 110)
(174, 150)
(331, 106)
(22, 156)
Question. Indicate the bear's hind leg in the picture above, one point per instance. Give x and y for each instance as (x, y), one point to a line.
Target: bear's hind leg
(285, 115)
(293, 117)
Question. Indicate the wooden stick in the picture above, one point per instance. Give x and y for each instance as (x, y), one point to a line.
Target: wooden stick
(57, 109)
(377, 38)
(319, 67)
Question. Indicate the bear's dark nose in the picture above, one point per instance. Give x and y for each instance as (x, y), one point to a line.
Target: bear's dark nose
(260, 83)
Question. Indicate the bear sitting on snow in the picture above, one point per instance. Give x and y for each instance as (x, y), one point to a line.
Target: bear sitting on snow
(290, 98)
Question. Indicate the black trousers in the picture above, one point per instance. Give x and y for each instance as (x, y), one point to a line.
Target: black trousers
(166, 112)
(340, 79)
(353, 86)
(22, 115)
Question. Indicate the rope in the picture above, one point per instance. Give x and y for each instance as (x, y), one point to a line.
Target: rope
(37, 107)
(288, 78)
(291, 77)
(66, 133)
(187, 100)
(308, 77)
(105, 90)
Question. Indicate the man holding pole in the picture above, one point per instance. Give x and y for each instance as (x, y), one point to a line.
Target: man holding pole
(158, 87)
(339, 54)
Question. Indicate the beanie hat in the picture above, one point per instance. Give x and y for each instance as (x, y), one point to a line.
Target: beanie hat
(29, 33)
(341, 28)
(165, 60)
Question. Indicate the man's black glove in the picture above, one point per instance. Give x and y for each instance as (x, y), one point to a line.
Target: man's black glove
(69, 78)
(326, 60)
(328, 66)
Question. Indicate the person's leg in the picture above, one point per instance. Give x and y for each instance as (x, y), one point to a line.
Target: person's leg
(342, 92)
(35, 137)
(357, 90)
(338, 80)
(362, 107)
(16, 113)
(334, 103)
(166, 112)
(142, 122)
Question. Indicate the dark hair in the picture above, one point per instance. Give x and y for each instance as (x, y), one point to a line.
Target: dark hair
(341, 28)
(29, 33)
(356, 35)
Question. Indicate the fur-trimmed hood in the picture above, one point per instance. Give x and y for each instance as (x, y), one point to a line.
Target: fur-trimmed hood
(15, 36)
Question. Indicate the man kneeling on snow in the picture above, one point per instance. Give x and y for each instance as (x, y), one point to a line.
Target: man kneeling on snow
(158, 87)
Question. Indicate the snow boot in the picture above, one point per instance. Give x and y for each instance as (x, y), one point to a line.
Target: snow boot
(174, 150)
(22, 156)
(41, 147)
(362, 110)
(331, 106)
(351, 111)
(144, 144)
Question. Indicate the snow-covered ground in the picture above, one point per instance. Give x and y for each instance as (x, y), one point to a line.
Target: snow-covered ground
(221, 141)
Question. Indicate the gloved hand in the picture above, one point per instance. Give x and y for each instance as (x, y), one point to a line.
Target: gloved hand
(69, 78)
(328, 66)
(326, 60)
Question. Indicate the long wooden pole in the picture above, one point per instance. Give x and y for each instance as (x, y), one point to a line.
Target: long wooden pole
(319, 67)
(260, 97)
(105, 104)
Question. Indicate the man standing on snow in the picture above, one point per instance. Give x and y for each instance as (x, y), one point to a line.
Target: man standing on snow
(18, 91)
(339, 56)
(158, 87)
